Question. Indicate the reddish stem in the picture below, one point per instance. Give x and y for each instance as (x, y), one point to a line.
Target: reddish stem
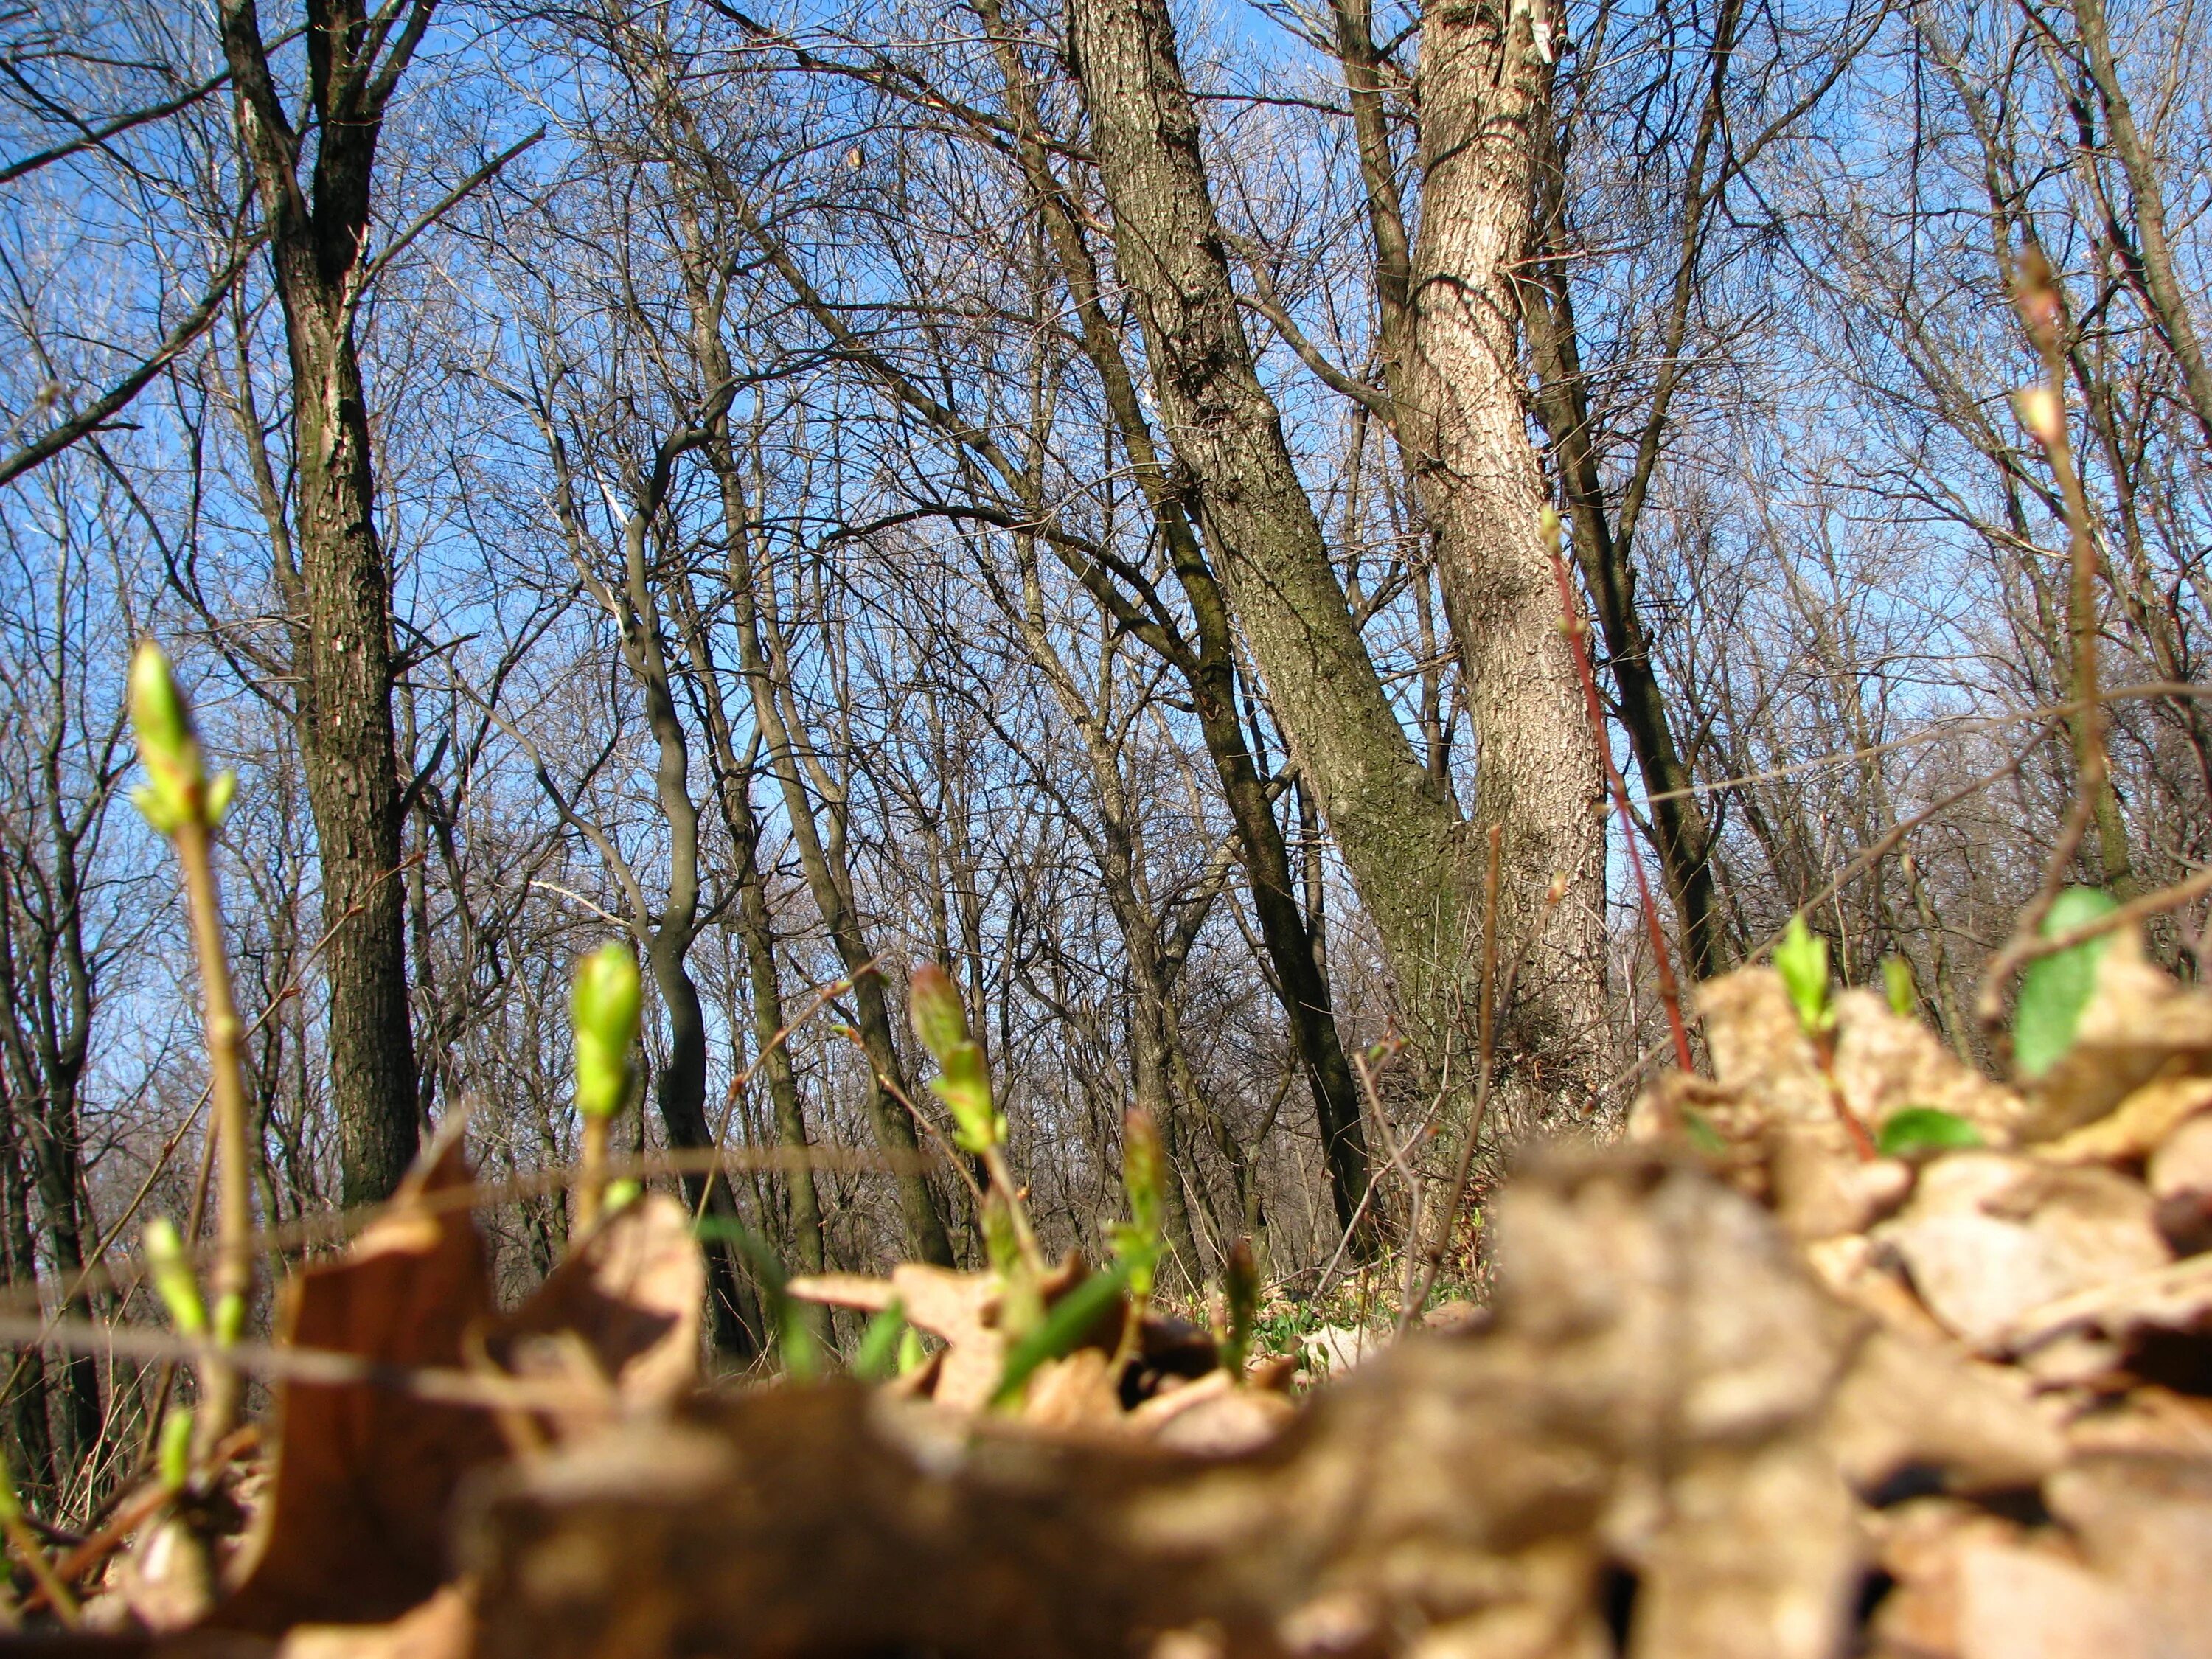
(1578, 632)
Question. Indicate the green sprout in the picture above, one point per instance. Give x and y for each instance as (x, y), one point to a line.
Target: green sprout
(605, 1006)
(1241, 1303)
(1802, 959)
(1897, 985)
(1137, 1242)
(173, 1458)
(962, 1083)
(178, 792)
(878, 1356)
(173, 1279)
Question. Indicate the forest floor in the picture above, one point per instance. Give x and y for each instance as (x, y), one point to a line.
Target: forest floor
(1847, 1349)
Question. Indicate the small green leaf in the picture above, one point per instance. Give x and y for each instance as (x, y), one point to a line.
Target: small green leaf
(1897, 982)
(1919, 1130)
(878, 1356)
(1802, 959)
(2055, 989)
(913, 1355)
(1703, 1136)
(1066, 1324)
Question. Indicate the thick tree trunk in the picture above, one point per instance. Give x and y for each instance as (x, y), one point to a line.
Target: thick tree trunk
(341, 594)
(1399, 832)
(1463, 425)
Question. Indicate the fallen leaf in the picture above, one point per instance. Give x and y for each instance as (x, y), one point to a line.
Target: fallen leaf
(2140, 1021)
(630, 1295)
(2136, 1126)
(354, 1529)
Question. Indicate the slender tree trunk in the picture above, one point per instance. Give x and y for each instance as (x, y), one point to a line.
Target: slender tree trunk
(1399, 833)
(1208, 665)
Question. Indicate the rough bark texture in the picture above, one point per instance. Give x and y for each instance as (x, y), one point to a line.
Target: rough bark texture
(1207, 662)
(1463, 424)
(1399, 833)
(340, 596)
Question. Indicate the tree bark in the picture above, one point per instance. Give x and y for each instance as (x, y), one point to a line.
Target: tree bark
(1462, 423)
(340, 595)
(1399, 833)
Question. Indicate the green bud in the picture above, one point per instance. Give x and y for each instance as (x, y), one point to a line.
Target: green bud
(933, 1004)
(605, 1007)
(617, 1194)
(175, 792)
(173, 1277)
(1802, 959)
(964, 1087)
(175, 1458)
(1897, 982)
(1137, 1242)
(913, 1354)
(11, 1507)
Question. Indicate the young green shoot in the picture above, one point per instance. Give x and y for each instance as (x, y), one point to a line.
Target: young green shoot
(178, 800)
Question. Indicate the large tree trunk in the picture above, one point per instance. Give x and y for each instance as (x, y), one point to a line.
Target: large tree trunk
(1462, 423)
(1398, 831)
(341, 594)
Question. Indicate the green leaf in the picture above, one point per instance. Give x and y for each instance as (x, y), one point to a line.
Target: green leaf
(879, 1353)
(1802, 959)
(1703, 1136)
(1919, 1130)
(1897, 982)
(2055, 989)
(1067, 1324)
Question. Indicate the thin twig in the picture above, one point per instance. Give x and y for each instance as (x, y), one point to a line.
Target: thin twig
(1576, 629)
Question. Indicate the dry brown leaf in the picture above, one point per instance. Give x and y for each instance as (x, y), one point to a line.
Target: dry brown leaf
(1909, 1408)
(2180, 1181)
(354, 1530)
(2019, 1602)
(629, 1296)
(860, 1291)
(2136, 1126)
(2145, 1523)
(1989, 1238)
(953, 1306)
(1075, 1395)
(443, 1627)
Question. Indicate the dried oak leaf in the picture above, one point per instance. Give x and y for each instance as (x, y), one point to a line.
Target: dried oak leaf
(2137, 1127)
(2145, 1523)
(1989, 1237)
(354, 1530)
(1650, 1392)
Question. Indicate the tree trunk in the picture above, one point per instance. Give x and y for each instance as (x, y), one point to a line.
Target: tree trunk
(341, 595)
(1208, 666)
(1463, 425)
(1399, 833)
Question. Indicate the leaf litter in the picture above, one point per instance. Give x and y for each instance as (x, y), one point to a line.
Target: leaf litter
(1742, 1389)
